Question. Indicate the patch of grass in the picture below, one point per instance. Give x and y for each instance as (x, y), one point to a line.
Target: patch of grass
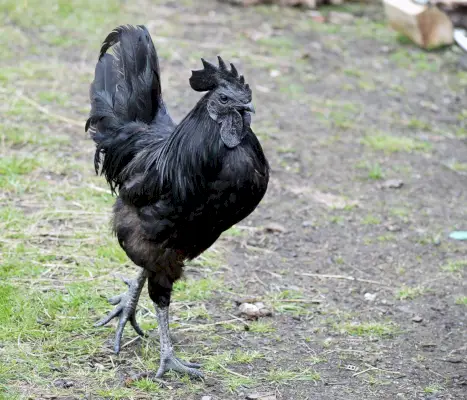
(216, 361)
(195, 312)
(417, 124)
(15, 165)
(374, 329)
(416, 60)
(233, 382)
(317, 360)
(457, 166)
(356, 73)
(434, 388)
(261, 326)
(403, 39)
(375, 172)
(392, 144)
(454, 266)
(277, 45)
(366, 85)
(409, 293)
(20, 135)
(195, 289)
(336, 114)
(112, 252)
(211, 259)
(147, 385)
(234, 232)
(68, 21)
(462, 301)
(400, 212)
(53, 97)
(284, 375)
(286, 150)
(290, 302)
(371, 220)
(461, 132)
(389, 237)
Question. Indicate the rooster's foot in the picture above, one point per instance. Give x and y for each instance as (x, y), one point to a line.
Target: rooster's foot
(171, 363)
(125, 308)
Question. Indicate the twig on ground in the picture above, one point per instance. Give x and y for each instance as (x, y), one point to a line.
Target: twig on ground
(232, 372)
(348, 278)
(200, 327)
(131, 341)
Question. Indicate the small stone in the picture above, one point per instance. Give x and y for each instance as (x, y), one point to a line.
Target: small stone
(307, 224)
(275, 227)
(417, 318)
(274, 73)
(206, 398)
(249, 310)
(393, 228)
(369, 296)
(392, 184)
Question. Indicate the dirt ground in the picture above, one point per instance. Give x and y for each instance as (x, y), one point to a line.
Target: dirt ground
(366, 136)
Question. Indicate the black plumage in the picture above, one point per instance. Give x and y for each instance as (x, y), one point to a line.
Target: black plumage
(179, 186)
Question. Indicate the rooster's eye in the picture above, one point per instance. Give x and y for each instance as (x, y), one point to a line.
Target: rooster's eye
(223, 98)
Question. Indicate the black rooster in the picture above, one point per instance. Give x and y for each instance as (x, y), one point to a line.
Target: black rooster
(179, 186)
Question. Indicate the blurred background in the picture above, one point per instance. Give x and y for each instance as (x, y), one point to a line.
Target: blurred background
(350, 250)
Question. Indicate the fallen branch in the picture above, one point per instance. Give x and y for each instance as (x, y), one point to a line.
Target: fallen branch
(347, 278)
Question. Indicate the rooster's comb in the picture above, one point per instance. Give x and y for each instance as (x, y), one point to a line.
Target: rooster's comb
(211, 76)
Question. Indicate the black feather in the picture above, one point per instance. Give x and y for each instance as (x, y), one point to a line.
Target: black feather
(125, 99)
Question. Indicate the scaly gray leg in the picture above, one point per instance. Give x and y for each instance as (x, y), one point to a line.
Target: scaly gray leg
(168, 359)
(126, 308)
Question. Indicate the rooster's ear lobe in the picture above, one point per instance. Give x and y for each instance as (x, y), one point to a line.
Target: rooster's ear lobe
(204, 79)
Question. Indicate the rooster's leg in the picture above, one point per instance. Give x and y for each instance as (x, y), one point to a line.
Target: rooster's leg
(168, 359)
(126, 308)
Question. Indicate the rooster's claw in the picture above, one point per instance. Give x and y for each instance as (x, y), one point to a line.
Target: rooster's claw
(125, 309)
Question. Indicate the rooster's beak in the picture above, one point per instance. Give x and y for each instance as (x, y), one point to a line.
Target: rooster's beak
(249, 107)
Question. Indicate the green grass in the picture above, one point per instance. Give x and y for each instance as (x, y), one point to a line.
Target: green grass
(17, 165)
(371, 220)
(194, 290)
(70, 22)
(418, 125)
(454, 266)
(434, 388)
(283, 375)
(373, 329)
(409, 293)
(375, 172)
(462, 300)
(458, 166)
(18, 135)
(393, 144)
